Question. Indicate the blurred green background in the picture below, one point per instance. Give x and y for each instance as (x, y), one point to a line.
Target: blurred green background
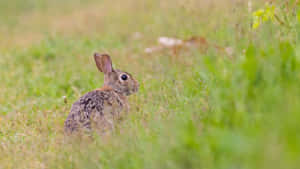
(230, 100)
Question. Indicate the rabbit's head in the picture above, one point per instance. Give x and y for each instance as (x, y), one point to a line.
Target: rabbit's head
(120, 81)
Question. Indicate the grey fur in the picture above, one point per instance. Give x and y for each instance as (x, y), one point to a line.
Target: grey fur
(89, 111)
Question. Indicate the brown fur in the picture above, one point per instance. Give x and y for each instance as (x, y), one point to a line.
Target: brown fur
(104, 88)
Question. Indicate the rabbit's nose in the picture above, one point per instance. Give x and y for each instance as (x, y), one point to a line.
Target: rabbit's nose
(137, 86)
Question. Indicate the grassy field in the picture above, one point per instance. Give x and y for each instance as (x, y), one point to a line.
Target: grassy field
(232, 102)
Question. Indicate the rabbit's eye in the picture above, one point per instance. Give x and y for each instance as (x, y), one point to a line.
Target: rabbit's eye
(124, 77)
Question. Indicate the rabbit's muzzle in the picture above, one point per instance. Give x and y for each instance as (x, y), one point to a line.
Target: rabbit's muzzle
(135, 87)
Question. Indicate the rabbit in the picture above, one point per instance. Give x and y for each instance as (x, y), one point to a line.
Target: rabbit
(99, 109)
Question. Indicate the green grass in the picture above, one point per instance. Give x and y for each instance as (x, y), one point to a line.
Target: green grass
(195, 109)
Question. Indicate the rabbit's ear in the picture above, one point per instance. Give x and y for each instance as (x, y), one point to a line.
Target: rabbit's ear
(103, 62)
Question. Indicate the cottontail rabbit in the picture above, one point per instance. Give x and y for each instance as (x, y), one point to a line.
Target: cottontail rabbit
(98, 109)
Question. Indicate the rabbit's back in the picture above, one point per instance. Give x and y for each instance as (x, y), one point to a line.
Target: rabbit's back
(96, 109)
(88, 106)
